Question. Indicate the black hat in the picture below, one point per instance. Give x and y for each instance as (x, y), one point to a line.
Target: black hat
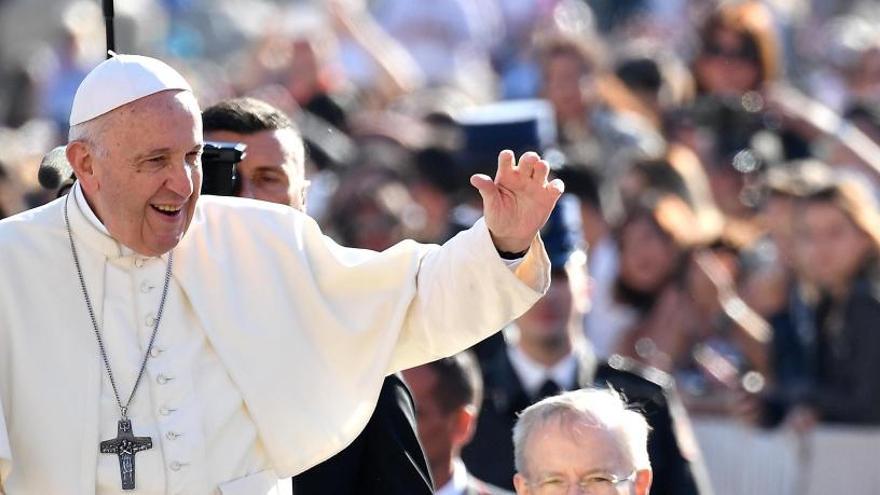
(518, 125)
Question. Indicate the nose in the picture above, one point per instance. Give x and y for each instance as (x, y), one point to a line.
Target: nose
(576, 489)
(182, 178)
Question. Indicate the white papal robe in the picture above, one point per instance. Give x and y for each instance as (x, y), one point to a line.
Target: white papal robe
(270, 354)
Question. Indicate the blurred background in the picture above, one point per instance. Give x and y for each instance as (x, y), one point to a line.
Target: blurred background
(722, 159)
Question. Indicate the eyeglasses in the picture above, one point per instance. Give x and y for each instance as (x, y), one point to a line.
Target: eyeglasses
(594, 484)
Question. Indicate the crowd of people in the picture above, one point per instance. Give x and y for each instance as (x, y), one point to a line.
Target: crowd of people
(715, 254)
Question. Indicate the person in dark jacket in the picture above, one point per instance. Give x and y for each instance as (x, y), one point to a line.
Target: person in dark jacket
(448, 394)
(385, 459)
(546, 353)
(837, 228)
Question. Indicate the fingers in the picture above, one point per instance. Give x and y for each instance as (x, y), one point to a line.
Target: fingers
(485, 185)
(527, 164)
(506, 161)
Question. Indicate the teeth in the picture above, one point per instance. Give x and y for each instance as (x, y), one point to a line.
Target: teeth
(167, 208)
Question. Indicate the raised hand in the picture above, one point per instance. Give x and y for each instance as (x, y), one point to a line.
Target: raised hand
(518, 202)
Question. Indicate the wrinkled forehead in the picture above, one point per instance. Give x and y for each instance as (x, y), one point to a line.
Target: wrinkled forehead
(582, 442)
(172, 103)
(168, 119)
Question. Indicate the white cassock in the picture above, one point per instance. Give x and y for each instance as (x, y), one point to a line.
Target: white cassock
(269, 357)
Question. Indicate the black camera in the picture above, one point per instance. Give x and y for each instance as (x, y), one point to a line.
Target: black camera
(219, 167)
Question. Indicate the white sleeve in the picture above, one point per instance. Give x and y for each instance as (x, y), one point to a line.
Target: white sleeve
(466, 292)
(5, 452)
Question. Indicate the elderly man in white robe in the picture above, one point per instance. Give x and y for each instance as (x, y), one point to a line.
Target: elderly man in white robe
(152, 341)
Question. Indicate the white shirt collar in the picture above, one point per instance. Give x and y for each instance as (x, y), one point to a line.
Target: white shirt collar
(113, 247)
(80, 198)
(533, 374)
(457, 485)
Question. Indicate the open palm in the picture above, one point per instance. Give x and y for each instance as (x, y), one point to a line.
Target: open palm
(518, 202)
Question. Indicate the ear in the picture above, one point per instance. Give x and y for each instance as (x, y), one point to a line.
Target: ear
(79, 155)
(520, 484)
(643, 481)
(465, 424)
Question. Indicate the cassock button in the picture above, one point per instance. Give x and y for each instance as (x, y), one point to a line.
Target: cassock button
(146, 287)
(162, 379)
(166, 411)
(150, 320)
(176, 466)
(155, 352)
(172, 436)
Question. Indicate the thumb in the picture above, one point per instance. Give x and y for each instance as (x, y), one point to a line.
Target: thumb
(486, 186)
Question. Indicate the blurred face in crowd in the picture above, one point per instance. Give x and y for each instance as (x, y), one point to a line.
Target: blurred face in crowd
(565, 453)
(550, 321)
(777, 216)
(728, 65)
(272, 169)
(442, 432)
(567, 85)
(647, 256)
(141, 173)
(831, 249)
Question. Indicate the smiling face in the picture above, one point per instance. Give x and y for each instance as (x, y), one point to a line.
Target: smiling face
(648, 258)
(141, 172)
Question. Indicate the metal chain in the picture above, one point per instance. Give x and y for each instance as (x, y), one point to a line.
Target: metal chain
(123, 409)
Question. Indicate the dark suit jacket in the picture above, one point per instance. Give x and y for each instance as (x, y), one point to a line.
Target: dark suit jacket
(385, 458)
(489, 456)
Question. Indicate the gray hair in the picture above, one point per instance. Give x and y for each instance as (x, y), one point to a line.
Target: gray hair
(89, 132)
(604, 408)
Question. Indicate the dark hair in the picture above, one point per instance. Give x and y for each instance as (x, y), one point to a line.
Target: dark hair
(458, 381)
(584, 183)
(753, 23)
(660, 176)
(244, 116)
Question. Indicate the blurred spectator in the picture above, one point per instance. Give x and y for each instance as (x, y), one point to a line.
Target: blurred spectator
(601, 124)
(838, 235)
(450, 39)
(655, 241)
(739, 50)
(372, 209)
(586, 441)
(74, 53)
(448, 394)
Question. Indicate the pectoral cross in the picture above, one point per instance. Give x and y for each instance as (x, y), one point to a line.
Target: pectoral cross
(126, 445)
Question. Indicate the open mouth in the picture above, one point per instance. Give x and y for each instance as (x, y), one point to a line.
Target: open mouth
(168, 210)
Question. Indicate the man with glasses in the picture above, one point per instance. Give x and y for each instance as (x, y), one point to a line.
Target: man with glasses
(584, 442)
